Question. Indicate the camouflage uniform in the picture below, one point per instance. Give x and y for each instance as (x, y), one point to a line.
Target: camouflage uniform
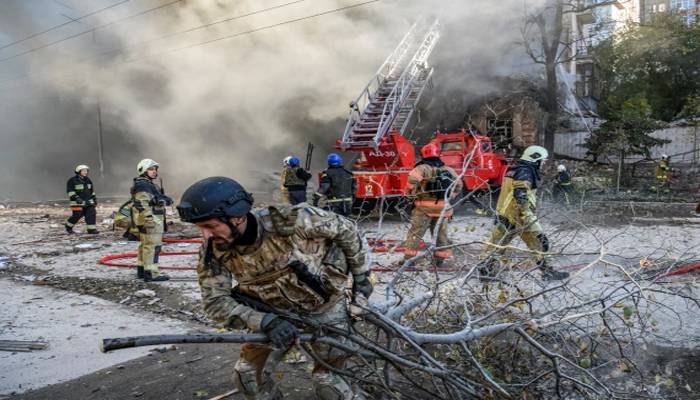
(515, 213)
(331, 248)
(427, 209)
(148, 215)
(294, 184)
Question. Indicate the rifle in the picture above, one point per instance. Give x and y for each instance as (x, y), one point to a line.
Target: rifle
(165, 214)
(309, 154)
(107, 345)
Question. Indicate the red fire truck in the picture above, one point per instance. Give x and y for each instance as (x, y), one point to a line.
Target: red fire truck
(383, 113)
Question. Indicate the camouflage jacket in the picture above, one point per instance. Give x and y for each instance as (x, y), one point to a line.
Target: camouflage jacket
(327, 243)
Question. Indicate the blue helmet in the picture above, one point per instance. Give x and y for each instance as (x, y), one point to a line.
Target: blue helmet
(334, 160)
(294, 161)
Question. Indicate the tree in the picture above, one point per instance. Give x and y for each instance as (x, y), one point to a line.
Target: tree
(625, 133)
(659, 62)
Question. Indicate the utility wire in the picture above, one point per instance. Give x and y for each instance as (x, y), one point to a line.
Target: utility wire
(235, 35)
(196, 28)
(63, 24)
(32, 50)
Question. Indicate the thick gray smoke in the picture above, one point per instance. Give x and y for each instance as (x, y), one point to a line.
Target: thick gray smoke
(233, 107)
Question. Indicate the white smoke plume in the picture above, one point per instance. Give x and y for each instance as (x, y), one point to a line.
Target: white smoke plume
(232, 107)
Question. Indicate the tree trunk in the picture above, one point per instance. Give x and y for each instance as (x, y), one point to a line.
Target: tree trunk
(552, 104)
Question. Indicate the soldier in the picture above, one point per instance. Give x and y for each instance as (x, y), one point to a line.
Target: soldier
(148, 214)
(428, 182)
(294, 180)
(292, 259)
(663, 167)
(563, 186)
(515, 215)
(337, 185)
(83, 200)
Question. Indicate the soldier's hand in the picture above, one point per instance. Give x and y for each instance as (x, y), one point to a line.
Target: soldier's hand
(79, 201)
(362, 284)
(280, 332)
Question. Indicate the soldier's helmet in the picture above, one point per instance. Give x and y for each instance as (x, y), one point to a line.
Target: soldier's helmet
(214, 197)
(334, 160)
(145, 164)
(81, 167)
(535, 154)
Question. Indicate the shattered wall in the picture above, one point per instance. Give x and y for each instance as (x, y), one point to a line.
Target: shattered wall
(233, 106)
(523, 112)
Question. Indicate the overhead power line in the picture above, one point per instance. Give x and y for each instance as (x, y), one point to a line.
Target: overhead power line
(32, 36)
(32, 50)
(226, 37)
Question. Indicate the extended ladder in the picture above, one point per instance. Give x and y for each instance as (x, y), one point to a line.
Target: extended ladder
(389, 100)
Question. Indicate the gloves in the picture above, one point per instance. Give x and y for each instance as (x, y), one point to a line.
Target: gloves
(529, 218)
(149, 223)
(91, 202)
(79, 201)
(361, 284)
(280, 332)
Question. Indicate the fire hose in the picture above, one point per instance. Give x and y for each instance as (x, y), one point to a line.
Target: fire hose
(378, 246)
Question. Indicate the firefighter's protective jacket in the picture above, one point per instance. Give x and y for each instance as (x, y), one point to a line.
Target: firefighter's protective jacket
(337, 184)
(518, 199)
(148, 202)
(418, 180)
(326, 243)
(80, 191)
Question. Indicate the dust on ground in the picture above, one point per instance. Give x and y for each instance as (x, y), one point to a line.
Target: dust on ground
(49, 277)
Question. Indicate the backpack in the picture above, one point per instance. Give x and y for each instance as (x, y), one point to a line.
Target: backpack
(437, 186)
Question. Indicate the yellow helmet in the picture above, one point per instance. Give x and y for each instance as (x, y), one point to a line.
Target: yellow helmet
(81, 167)
(535, 153)
(145, 164)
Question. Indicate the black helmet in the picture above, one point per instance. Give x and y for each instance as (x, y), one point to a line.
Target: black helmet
(215, 197)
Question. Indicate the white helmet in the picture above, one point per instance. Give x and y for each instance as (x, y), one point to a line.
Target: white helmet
(286, 160)
(535, 153)
(145, 164)
(664, 156)
(561, 167)
(81, 167)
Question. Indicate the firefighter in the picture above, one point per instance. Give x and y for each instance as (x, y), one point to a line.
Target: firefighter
(563, 187)
(663, 167)
(427, 183)
(292, 258)
(294, 180)
(83, 200)
(337, 186)
(516, 215)
(148, 214)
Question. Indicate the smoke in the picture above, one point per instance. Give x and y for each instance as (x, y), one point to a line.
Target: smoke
(232, 107)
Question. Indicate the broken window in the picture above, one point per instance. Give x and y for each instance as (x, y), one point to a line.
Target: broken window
(587, 85)
(500, 127)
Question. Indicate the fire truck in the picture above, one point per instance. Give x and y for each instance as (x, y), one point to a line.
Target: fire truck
(384, 112)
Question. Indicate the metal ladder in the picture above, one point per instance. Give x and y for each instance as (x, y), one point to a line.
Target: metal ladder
(391, 97)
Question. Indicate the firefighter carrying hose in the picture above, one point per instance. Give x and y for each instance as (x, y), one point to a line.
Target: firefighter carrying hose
(427, 183)
(148, 215)
(294, 179)
(82, 198)
(337, 186)
(296, 259)
(516, 215)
